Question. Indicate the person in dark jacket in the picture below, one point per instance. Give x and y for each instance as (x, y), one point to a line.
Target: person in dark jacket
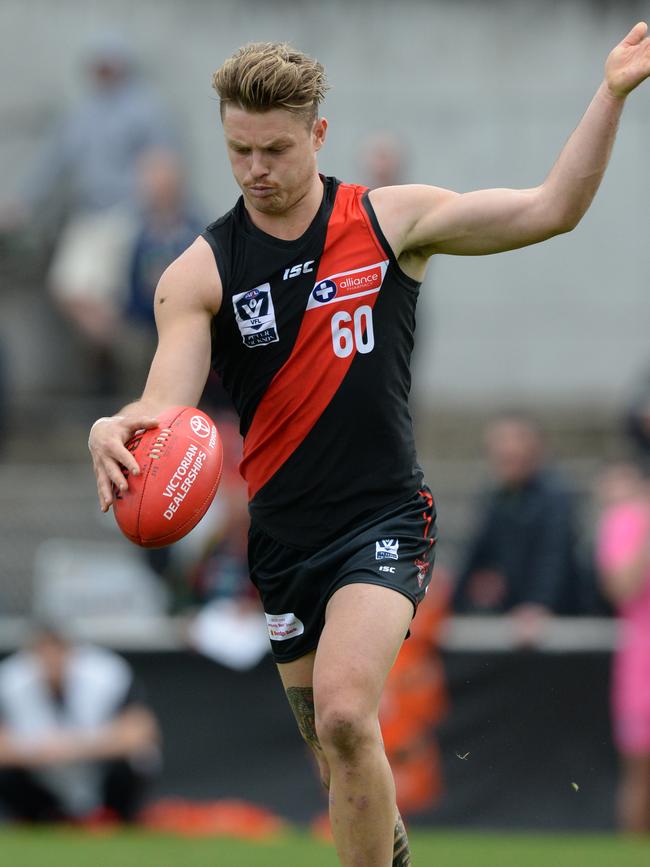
(522, 556)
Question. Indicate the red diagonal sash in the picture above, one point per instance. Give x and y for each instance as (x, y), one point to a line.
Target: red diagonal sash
(306, 383)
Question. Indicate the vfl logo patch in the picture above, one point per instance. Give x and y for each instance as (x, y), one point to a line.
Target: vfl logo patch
(255, 316)
(386, 549)
(348, 284)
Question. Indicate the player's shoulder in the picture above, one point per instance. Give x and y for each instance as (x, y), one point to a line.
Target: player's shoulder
(225, 221)
(408, 196)
(193, 277)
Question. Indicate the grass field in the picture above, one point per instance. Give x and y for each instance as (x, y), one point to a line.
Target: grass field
(50, 848)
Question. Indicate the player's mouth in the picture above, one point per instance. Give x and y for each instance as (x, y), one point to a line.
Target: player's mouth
(260, 191)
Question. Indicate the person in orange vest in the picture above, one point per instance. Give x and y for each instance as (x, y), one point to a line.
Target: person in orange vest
(414, 702)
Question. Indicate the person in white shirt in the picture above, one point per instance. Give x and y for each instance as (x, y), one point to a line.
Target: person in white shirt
(76, 740)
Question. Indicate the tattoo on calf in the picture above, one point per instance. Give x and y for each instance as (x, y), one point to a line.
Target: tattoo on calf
(301, 700)
(401, 851)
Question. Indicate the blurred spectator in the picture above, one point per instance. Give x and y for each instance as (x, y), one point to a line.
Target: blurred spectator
(166, 227)
(383, 160)
(75, 738)
(624, 560)
(522, 557)
(92, 160)
(637, 422)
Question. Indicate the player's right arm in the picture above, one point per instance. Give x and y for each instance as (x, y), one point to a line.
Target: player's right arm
(187, 297)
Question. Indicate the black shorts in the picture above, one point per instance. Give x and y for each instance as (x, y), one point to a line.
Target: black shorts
(394, 549)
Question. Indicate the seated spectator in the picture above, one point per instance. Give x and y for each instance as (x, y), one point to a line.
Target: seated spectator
(75, 738)
(521, 558)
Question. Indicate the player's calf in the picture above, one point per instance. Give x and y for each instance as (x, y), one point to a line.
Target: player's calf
(301, 700)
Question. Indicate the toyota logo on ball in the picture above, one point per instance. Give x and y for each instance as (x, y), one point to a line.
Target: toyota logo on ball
(200, 426)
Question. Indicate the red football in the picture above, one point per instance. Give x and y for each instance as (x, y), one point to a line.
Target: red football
(180, 467)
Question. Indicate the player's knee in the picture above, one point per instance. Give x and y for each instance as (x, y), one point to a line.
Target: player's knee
(344, 734)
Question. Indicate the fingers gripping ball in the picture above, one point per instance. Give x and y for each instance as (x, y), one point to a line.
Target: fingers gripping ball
(180, 468)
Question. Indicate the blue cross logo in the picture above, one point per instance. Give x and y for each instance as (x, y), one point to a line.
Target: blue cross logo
(324, 291)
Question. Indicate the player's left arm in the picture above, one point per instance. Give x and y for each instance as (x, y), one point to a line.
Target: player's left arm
(428, 220)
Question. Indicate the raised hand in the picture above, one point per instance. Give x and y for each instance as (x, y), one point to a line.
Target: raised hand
(629, 63)
(106, 444)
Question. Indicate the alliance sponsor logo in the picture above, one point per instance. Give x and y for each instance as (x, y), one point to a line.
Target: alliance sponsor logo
(359, 282)
(355, 283)
(324, 291)
(386, 549)
(255, 316)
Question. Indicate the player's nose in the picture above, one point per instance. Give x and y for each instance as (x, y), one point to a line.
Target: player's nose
(258, 166)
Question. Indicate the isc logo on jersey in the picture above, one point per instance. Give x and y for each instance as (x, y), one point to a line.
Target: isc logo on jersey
(255, 316)
(348, 284)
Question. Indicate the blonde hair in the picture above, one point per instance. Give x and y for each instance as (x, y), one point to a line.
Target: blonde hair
(265, 75)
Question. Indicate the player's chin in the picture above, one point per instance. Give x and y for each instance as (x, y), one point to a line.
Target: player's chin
(271, 204)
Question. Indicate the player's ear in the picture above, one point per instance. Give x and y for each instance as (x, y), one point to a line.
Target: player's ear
(319, 132)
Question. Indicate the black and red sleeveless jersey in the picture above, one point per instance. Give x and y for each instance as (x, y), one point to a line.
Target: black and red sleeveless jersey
(313, 342)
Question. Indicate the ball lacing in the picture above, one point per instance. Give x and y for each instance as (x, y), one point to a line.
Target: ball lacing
(159, 443)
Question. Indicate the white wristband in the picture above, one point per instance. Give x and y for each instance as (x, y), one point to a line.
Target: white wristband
(103, 418)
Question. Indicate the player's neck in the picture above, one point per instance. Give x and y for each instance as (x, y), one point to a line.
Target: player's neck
(294, 222)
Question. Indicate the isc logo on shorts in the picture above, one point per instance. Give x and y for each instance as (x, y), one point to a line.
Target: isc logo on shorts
(255, 316)
(387, 549)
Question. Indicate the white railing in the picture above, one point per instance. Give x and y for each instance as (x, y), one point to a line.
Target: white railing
(164, 634)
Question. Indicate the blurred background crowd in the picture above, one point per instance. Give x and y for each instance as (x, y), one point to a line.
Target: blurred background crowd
(531, 401)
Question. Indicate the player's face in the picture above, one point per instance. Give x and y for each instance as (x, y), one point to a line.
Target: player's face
(273, 156)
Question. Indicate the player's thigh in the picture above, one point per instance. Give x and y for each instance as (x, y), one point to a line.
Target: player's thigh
(365, 627)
